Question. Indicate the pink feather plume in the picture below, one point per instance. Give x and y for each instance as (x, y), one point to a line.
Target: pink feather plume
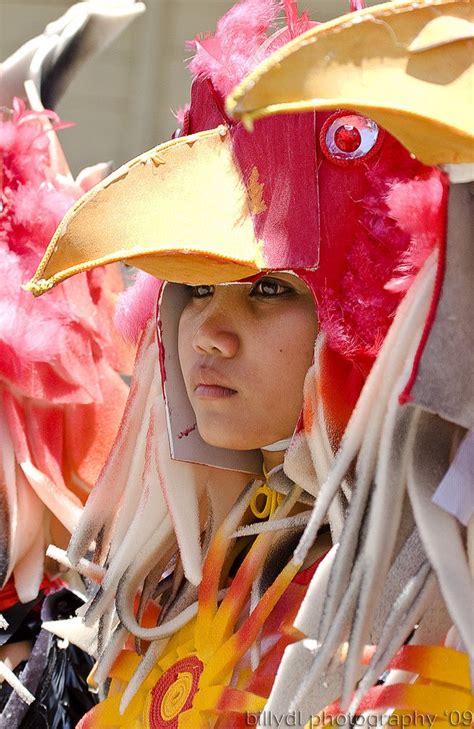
(400, 220)
(242, 40)
(61, 396)
(137, 305)
(76, 317)
(416, 205)
(356, 5)
(229, 54)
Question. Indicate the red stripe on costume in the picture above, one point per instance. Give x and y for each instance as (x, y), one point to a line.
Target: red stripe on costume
(305, 576)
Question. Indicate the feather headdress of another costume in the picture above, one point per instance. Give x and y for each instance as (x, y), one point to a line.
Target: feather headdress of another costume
(59, 360)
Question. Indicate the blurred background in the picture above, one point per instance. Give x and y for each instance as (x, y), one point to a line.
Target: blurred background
(123, 100)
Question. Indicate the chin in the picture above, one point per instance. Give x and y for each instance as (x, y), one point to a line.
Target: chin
(229, 444)
(219, 439)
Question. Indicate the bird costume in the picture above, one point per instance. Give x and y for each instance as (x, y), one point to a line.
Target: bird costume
(336, 199)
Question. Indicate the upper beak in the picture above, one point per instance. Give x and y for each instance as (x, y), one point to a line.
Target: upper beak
(408, 66)
(180, 212)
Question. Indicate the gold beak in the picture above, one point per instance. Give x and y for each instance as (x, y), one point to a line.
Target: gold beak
(406, 65)
(180, 212)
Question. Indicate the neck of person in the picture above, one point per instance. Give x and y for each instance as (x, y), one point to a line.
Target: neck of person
(272, 459)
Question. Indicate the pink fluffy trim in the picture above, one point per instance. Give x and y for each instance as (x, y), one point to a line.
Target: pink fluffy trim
(228, 55)
(357, 5)
(416, 205)
(242, 40)
(137, 305)
(51, 348)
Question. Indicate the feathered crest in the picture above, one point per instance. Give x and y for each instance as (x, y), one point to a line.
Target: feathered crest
(34, 199)
(58, 356)
(242, 40)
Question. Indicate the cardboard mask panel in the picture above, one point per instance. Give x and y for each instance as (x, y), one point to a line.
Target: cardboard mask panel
(185, 442)
(444, 380)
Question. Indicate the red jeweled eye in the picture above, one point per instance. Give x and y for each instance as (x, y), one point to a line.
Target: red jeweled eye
(349, 139)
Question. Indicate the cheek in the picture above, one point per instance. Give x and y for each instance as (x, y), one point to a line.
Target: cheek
(286, 351)
(296, 352)
(298, 334)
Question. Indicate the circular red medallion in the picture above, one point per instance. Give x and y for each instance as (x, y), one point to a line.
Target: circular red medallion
(173, 693)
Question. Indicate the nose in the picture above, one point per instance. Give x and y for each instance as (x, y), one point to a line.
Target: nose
(216, 333)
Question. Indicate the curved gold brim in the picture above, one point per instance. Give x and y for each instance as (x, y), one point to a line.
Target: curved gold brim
(407, 65)
(180, 212)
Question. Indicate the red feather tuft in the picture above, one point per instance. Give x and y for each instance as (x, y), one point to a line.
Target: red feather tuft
(227, 55)
(242, 40)
(357, 5)
(137, 305)
(37, 335)
(291, 13)
(416, 205)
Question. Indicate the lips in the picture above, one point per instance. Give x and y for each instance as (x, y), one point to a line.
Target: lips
(213, 391)
(208, 383)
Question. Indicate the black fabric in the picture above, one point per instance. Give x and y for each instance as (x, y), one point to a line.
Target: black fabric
(22, 619)
(56, 676)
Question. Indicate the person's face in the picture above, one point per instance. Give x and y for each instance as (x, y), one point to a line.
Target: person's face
(244, 351)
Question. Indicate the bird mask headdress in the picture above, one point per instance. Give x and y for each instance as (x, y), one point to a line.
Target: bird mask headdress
(328, 195)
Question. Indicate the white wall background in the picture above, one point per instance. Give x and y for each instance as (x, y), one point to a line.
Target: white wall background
(122, 100)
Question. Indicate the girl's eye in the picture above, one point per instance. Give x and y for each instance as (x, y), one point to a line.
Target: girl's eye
(269, 287)
(201, 291)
